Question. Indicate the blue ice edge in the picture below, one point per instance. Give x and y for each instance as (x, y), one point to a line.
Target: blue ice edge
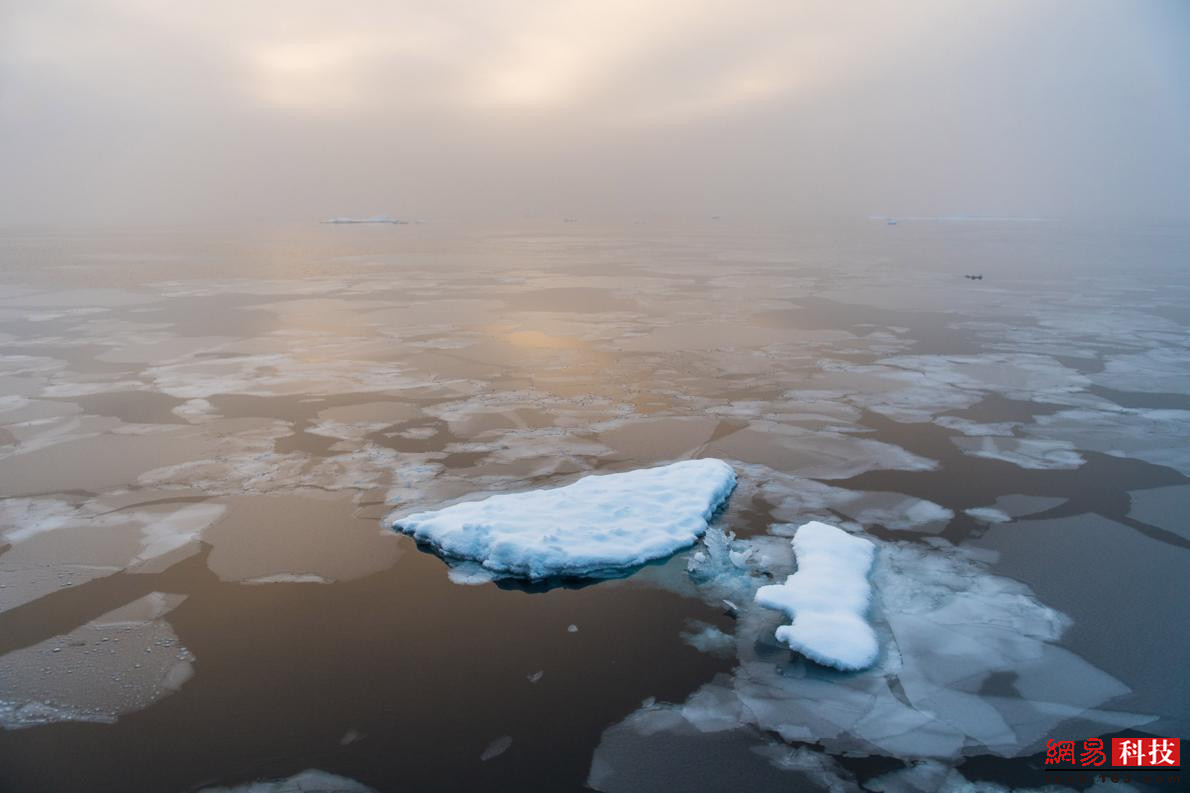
(598, 527)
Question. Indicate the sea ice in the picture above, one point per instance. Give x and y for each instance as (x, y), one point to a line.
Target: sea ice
(118, 663)
(950, 630)
(988, 514)
(310, 781)
(827, 598)
(595, 526)
(707, 638)
(496, 748)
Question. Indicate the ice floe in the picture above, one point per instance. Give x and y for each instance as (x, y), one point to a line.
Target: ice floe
(118, 663)
(598, 525)
(496, 748)
(310, 781)
(1031, 453)
(708, 638)
(1161, 437)
(988, 515)
(827, 598)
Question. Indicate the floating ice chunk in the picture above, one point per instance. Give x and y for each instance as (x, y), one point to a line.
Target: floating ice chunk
(496, 748)
(118, 663)
(827, 598)
(469, 574)
(311, 781)
(572, 629)
(1161, 437)
(988, 515)
(595, 526)
(1031, 453)
(707, 638)
(289, 578)
(536, 676)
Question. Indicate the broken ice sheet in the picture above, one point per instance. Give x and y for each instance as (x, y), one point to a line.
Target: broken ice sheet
(118, 663)
(970, 665)
(93, 539)
(1031, 453)
(1160, 437)
(814, 453)
(800, 499)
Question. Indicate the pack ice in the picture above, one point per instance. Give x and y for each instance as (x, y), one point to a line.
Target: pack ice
(827, 598)
(596, 526)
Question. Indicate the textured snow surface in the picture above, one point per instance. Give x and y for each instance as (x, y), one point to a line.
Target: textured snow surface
(597, 525)
(827, 598)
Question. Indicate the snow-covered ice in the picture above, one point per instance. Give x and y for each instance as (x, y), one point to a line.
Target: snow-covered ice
(827, 598)
(596, 526)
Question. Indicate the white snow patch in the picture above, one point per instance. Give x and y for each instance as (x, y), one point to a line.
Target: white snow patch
(594, 526)
(827, 598)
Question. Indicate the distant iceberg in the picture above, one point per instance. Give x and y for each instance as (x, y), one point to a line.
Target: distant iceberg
(827, 598)
(373, 219)
(597, 526)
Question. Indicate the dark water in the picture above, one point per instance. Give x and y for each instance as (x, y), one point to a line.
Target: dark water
(225, 418)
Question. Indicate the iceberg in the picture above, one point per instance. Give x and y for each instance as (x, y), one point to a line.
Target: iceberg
(595, 527)
(827, 598)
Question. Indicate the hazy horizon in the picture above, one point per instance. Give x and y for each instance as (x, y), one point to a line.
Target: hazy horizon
(130, 111)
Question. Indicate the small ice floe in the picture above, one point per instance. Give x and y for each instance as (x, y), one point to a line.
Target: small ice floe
(827, 598)
(496, 748)
(572, 629)
(597, 526)
(118, 663)
(988, 515)
(289, 578)
(311, 781)
(536, 676)
(707, 638)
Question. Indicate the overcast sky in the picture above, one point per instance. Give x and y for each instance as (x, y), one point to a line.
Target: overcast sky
(123, 111)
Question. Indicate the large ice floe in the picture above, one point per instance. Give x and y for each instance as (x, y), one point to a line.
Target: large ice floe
(827, 598)
(596, 526)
